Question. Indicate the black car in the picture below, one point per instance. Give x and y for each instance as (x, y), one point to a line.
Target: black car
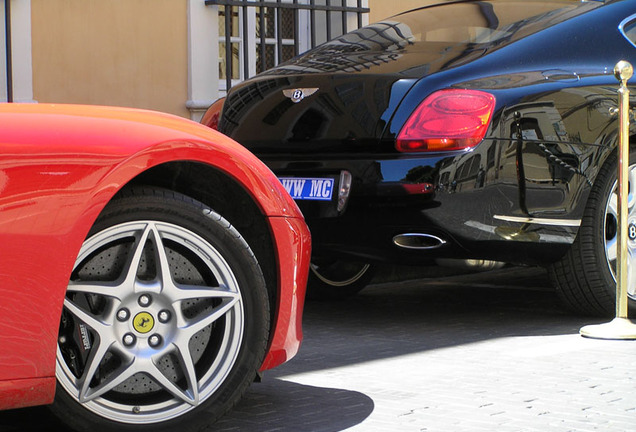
(469, 129)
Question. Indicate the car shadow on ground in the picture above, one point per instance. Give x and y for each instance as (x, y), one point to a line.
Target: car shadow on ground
(386, 320)
(400, 318)
(290, 406)
(395, 319)
(278, 405)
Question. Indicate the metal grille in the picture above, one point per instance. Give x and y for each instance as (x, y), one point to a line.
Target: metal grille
(7, 39)
(279, 20)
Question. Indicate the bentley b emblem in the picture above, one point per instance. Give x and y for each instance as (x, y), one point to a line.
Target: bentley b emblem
(296, 95)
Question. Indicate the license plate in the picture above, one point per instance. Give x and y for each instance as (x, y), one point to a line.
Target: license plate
(308, 188)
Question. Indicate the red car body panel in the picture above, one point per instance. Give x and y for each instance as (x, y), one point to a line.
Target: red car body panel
(26, 392)
(285, 342)
(60, 165)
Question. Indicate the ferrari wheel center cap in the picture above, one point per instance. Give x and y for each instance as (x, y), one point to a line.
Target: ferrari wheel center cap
(143, 322)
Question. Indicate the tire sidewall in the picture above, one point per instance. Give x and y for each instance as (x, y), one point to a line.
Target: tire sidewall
(604, 187)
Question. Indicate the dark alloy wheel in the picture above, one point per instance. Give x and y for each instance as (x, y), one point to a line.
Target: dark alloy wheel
(585, 278)
(165, 319)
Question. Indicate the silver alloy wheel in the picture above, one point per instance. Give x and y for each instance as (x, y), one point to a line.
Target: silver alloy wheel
(348, 280)
(160, 320)
(610, 233)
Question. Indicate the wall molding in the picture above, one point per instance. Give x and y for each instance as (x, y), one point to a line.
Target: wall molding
(203, 57)
(21, 49)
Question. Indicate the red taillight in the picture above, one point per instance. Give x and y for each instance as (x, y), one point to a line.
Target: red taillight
(213, 114)
(452, 119)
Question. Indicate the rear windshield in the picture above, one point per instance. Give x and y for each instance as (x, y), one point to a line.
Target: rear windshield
(479, 22)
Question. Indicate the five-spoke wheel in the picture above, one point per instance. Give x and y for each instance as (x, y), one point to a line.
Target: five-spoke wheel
(166, 310)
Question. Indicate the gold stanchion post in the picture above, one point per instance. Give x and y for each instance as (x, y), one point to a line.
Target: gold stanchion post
(620, 327)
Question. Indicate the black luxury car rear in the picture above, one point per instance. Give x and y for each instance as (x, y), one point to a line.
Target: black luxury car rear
(469, 129)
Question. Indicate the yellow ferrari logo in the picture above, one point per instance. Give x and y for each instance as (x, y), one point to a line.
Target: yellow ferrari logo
(143, 322)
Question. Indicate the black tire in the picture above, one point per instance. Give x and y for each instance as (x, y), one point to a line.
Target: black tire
(337, 279)
(584, 277)
(209, 316)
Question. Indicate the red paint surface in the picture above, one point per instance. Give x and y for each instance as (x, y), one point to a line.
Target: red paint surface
(293, 271)
(27, 392)
(59, 166)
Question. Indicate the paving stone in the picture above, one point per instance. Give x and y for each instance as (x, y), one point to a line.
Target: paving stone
(482, 352)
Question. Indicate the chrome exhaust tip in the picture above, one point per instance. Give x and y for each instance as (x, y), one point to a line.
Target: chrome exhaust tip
(418, 241)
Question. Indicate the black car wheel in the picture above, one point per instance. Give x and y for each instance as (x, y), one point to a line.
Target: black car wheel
(165, 319)
(337, 279)
(585, 277)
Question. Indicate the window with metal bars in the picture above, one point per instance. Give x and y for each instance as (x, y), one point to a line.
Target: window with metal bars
(256, 35)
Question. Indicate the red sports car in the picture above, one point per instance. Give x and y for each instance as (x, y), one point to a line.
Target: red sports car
(150, 268)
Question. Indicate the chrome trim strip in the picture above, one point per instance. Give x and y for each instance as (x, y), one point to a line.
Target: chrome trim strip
(540, 221)
(621, 28)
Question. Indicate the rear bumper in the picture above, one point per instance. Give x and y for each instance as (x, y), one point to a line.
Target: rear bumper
(474, 202)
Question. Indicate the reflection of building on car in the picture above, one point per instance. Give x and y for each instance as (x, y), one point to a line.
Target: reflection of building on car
(550, 162)
(150, 267)
(513, 141)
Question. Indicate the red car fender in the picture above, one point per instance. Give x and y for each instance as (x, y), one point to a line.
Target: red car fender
(293, 271)
(61, 165)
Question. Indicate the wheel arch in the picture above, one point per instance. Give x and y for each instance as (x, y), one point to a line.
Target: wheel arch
(609, 150)
(606, 151)
(581, 283)
(227, 197)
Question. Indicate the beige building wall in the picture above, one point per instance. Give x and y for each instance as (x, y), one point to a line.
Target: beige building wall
(154, 54)
(111, 52)
(381, 9)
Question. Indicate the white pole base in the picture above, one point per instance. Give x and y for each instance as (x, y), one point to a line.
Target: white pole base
(617, 329)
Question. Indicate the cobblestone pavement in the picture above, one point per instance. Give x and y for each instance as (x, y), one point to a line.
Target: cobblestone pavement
(481, 352)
